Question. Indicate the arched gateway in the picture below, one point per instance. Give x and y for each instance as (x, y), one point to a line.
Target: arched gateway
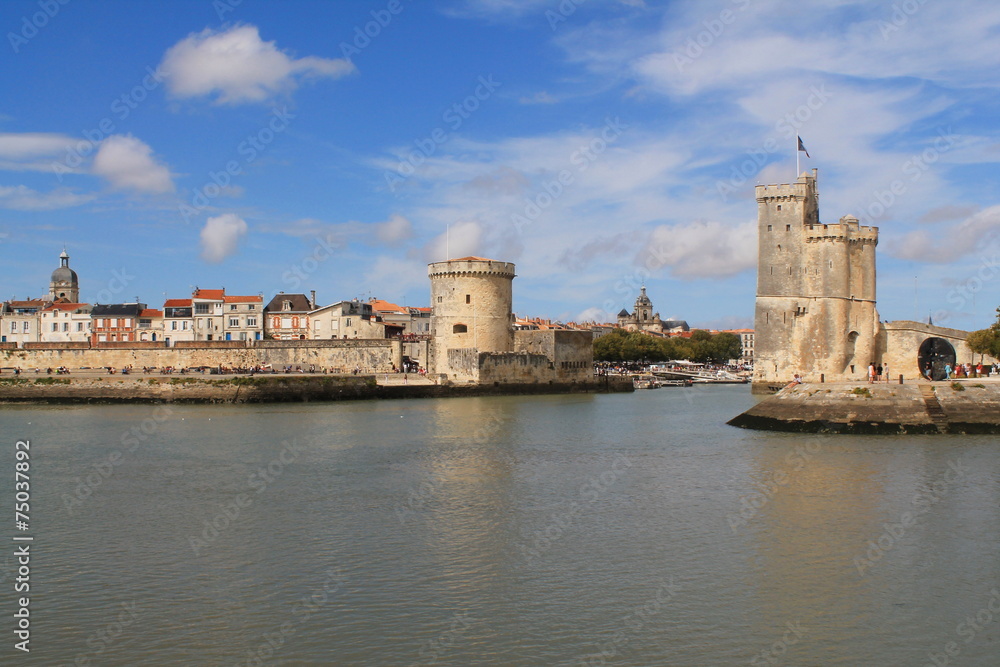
(938, 353)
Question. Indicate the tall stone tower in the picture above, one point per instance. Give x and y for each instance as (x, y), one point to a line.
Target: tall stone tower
(815, 310)
(471, 302)
(64, 285)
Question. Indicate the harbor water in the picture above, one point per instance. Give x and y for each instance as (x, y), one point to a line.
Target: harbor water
(628, 529)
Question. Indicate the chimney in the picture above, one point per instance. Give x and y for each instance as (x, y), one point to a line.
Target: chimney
(312, 299)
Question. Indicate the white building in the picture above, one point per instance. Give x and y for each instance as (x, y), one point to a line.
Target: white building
(346, 319)
(65, 322)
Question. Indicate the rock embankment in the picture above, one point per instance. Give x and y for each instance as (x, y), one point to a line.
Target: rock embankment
(969, 406)
(258, 389)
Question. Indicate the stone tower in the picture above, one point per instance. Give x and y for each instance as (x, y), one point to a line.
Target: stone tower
(815, 312)
(471, 302)
(64, 285)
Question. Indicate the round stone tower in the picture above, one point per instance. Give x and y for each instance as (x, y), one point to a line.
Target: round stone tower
(64, 285)
(471, 302)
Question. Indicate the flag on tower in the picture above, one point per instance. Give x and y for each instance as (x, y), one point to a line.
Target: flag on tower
(802, 146)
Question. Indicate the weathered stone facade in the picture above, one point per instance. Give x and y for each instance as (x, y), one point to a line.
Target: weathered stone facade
(815, 310)
(815, 314)
(371, 356)
(473, 338)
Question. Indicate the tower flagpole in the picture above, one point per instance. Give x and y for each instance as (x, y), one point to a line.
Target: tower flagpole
(797, 170)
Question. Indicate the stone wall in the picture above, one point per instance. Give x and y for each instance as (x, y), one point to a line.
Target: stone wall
(902, 340)
(337, 355)
(571, 352)
(514, 368)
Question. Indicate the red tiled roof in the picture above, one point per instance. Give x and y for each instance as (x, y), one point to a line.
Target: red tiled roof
(242, 299)
(386, 307)
(30, 303)
(177, 303)
(216, 294)
(63, 306)
(423, 310)
(151, 312)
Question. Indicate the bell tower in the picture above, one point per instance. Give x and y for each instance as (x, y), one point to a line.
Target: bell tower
(64, 286)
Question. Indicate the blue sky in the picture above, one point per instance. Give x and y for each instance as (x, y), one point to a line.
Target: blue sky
(341, 146)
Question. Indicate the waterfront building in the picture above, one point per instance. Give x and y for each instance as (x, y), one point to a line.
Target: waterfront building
(286, 316)
(402, 320)
(346, 319)
(20, 321)
(242, 317)
(150, 327)
(115, 323)
(64, 322)
(178, 320)
(208, 308)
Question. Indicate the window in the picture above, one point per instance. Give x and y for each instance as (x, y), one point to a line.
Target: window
(65, 326)
(127, 322)
(317, 325)
(79, 326)
(459, 328)
(201, 309)
(55, 327)
(234, 321)
(788, 228)
(348, 323)
(184, 325)
(13, 327)
(468, 298)
(173, 326)
(232, 306)
(779, 207)
(286, 305)
(251, 321)
(769, 228)
(27, 326)
(440, 299)
(251, 307)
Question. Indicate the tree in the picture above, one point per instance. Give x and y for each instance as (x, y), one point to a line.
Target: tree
(723, 347)
(982, 342)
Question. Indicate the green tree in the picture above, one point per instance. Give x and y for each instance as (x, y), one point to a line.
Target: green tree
(982, 342)
(723, 347)
(609, 346)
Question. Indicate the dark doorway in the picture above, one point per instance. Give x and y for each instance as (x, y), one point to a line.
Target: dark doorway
(938, 353)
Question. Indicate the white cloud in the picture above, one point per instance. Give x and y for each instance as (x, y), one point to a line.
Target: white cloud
(239, 67)
(32, 151)
(22, 198)
(702, 249)
(978, 232)
(220, 237)
(460, 240)
(394, 231)
(128, 163)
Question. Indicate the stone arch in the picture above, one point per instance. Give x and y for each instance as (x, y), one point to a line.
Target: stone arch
(459, 328)
(937, 352)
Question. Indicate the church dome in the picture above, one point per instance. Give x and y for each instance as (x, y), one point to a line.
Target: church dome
(643, 300)
(64, 274)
